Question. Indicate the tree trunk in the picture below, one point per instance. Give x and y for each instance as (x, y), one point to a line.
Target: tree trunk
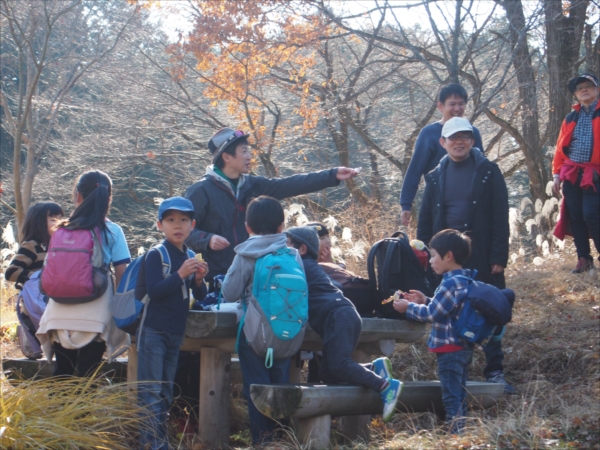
(592, 51)
(538, 173)
(340, 138)
(563, 40)
(375, 177)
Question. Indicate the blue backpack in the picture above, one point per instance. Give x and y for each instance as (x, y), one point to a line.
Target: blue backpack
(485, 310)
(276, 315)
(128, 311)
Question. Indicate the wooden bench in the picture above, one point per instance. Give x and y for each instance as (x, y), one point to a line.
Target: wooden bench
(213, 334)
(313, 405)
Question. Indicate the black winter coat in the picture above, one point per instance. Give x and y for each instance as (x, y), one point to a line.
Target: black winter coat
(487, 221)
(219, 211)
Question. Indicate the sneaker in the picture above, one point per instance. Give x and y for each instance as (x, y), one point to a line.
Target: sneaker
(583, 265)
(390, 396)
(383, 368)
(498, 377)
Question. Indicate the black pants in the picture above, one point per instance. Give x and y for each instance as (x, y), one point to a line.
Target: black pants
(584, 215)
(85, 359)
(340, 338)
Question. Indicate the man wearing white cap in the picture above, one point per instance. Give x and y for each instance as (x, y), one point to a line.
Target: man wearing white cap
(467, 192)
(221, 196)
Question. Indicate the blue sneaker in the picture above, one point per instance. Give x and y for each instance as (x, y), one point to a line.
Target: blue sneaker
(390, 396)
(383, 368)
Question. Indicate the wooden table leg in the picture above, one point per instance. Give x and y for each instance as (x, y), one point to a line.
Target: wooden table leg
(215, 367)
(357, 427)
(314, 432)
(132, 368)
(295, 369)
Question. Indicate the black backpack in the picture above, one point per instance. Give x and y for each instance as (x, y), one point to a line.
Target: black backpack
(393, 266)
(356, 289)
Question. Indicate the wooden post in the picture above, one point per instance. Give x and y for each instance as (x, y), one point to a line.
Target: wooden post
(314, 432)
(357, 427)
(132, 368)
(215, 367)
(295, 369)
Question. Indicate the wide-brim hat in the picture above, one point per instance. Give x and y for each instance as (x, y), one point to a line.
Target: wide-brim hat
(223, 139)
(573, 82)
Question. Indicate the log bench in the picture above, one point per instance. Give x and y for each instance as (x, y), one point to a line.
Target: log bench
(213, 334)
(313, 405)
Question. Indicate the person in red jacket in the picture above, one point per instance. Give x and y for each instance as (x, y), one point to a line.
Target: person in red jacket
(576, 165)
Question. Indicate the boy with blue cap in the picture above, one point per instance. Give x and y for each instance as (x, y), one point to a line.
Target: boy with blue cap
(166, 316)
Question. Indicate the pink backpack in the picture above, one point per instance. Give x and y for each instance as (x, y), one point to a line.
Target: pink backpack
(74, 270)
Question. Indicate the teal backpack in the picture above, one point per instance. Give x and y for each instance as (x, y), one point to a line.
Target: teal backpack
(275, 317)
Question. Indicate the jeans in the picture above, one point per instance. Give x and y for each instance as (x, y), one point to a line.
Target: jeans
(584, 215)
(86, 359)
(157, 363)
(254, 371)
(453, 372)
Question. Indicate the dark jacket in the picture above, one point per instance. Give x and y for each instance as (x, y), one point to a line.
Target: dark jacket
(167, 310)
(487, 221)
(426, 156)
(219, 211)
(323, 296)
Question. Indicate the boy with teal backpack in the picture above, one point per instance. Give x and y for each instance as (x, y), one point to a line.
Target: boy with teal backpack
(269, 279)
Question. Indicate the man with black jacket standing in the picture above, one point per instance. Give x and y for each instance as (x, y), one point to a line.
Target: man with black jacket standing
(221, 196)
(467, 192)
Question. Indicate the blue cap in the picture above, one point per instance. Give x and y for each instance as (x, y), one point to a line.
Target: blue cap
(176, 203)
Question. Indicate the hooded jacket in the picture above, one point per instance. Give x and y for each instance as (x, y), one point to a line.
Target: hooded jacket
(240, 276)
(486, 221)
(221, 211)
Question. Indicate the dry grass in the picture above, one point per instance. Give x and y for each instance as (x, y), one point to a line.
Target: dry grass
(81, 413)
(551, 356)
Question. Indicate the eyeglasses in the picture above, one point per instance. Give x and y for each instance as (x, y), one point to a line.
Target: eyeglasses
(460, 137)
(585, 87)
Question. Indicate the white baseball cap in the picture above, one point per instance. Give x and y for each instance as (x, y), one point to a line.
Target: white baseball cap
(455, 125)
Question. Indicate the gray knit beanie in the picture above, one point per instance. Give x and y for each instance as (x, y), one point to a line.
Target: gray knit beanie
(307, 236)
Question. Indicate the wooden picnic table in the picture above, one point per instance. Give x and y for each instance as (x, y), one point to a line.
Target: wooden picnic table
(213, 334)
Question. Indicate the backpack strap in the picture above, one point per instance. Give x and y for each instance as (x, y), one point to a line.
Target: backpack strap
(371, 265)
(166, 264)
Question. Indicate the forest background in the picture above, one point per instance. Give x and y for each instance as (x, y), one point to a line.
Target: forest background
(114, 85)
(107, 85)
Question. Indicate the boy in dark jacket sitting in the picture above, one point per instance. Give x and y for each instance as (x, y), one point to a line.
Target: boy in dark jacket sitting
(334, 318)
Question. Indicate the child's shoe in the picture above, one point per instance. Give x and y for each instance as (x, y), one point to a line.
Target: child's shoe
(390, 396)
(383, 368)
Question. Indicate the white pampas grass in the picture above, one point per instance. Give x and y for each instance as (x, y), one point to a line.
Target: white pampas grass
(330, 222)
(347, 234)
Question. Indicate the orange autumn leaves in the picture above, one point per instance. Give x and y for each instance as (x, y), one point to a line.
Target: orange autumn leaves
(243, 49)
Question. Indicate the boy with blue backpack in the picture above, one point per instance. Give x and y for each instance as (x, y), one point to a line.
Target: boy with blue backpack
(165, 315)
(269, 279)
(448, 310)
(335, 319)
